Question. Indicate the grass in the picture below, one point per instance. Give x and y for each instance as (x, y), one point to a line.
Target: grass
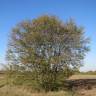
(21, 91)
(84, 76)
(10, 90)
(18, 91)
(6, 90)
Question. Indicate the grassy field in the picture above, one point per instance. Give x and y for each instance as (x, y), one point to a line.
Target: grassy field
(21, 91)
(7, 90)
(83, 77)
(17, 91)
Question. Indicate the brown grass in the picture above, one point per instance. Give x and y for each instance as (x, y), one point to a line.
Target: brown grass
(91, 92)
(19, 91)
(83, 77)
(23, 91)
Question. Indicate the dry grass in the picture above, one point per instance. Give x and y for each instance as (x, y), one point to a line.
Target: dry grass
(83, 77)
(18, 91)
(83, 92)
(23, 91)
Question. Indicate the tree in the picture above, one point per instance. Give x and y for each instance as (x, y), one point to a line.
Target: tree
(48, 47)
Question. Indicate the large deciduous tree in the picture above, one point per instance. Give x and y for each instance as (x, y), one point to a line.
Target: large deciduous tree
(48, 47)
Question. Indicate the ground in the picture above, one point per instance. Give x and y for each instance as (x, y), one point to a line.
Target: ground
(83, 76)
(7, 90)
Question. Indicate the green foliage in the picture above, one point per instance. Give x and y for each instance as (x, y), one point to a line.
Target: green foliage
(48, 48)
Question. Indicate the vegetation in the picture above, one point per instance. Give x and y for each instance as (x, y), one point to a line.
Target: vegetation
(9, 90)
(44, 52)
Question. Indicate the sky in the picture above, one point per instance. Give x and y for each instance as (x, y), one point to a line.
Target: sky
(83, 12)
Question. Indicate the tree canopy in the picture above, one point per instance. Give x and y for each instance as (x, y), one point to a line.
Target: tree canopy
(47, 46)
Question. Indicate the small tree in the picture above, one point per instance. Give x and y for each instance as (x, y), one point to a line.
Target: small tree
(49, 48)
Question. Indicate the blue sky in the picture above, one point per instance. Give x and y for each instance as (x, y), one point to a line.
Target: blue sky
(82, 11)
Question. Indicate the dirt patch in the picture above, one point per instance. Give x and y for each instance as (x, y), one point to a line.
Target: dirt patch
(81, 84)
